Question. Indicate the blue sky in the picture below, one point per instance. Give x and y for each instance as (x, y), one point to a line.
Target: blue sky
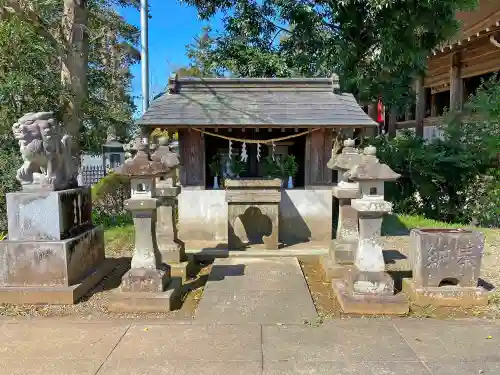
(171, 28)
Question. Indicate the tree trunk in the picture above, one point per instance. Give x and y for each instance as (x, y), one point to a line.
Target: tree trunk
(392, 127)
(74, 67)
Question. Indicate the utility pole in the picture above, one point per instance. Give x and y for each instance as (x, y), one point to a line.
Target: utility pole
(144, 62)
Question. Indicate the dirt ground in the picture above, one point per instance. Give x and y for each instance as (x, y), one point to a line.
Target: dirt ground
(398, 247)
(93, 306)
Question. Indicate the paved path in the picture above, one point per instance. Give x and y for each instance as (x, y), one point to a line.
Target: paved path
(339, 347)
(253, 290)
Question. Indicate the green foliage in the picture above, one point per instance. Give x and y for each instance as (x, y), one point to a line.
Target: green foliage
(28, 78)
(271, 167)
(10, 161)
(215, 166)
(30, 69)
(108, 196)
(484, 199)
(3, 236)
(238, 167)
(454, 179)
(108, 221)
(376, 46)
(290, 166)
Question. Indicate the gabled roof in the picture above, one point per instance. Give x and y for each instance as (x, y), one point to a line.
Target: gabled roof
(298, 102)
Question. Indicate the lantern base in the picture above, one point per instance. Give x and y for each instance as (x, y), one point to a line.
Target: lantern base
(445, 296)
(369, 293)
(148, 302)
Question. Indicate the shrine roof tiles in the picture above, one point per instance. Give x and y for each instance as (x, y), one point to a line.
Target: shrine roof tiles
(300, 102)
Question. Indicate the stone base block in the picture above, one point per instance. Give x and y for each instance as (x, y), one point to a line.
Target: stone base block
(50, 264)
(171, 252)
(145, 280)
(369, 304)
(147, 302)
(48, 215)
(55, 295)
(445, 296)
(333, 270)
(182, 270)
(344, 252)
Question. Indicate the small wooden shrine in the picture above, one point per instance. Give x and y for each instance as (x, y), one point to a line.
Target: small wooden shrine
(255, 128)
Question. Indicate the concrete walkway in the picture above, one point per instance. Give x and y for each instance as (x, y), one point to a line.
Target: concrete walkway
(256, 290)
(339, 347)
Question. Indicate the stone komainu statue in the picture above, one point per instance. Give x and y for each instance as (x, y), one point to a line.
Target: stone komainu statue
(46, 154)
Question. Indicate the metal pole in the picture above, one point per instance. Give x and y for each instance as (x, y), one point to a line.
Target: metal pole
(144, 58)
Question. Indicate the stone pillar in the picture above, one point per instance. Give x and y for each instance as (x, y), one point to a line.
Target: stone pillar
(171, 249)
(147, 286)
(368, 289)
(343, 247)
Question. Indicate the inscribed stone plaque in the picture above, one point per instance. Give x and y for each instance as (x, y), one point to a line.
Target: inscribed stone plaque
(452, 256)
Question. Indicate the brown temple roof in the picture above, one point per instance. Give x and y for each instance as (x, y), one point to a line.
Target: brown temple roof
(260, 102)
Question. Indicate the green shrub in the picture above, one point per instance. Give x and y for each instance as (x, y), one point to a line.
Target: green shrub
(108, 197)
(484, 199)
(454, 179)
(10, 161)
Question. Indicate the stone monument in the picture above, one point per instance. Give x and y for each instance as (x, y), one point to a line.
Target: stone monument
(54, 254)
(446, 264)
(342, 250)
(171, 250)
(147, 286)
(368, 289)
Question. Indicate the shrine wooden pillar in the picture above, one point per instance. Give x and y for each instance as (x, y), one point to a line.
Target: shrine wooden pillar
(318, 152)
(433, 105)
(192, 154)
(420, 107)
(456, 83)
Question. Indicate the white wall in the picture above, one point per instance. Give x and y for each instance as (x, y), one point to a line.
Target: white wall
(305, 215)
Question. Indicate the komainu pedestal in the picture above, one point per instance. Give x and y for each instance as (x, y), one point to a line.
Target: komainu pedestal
(54, 254)
(446, 264)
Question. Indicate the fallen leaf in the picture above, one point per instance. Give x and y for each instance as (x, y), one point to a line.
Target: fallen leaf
(489, 338)
(146, 329)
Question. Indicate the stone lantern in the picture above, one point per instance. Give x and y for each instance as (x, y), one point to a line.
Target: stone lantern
(343, 248)
(368, 289)
(169, 246)
(147, 286)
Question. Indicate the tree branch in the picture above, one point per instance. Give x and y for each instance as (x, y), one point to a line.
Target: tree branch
(277, 26)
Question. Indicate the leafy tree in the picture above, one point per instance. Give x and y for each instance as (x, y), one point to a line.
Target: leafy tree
(200, 53)
(70, 30)
(376, 46)
(31, 49)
